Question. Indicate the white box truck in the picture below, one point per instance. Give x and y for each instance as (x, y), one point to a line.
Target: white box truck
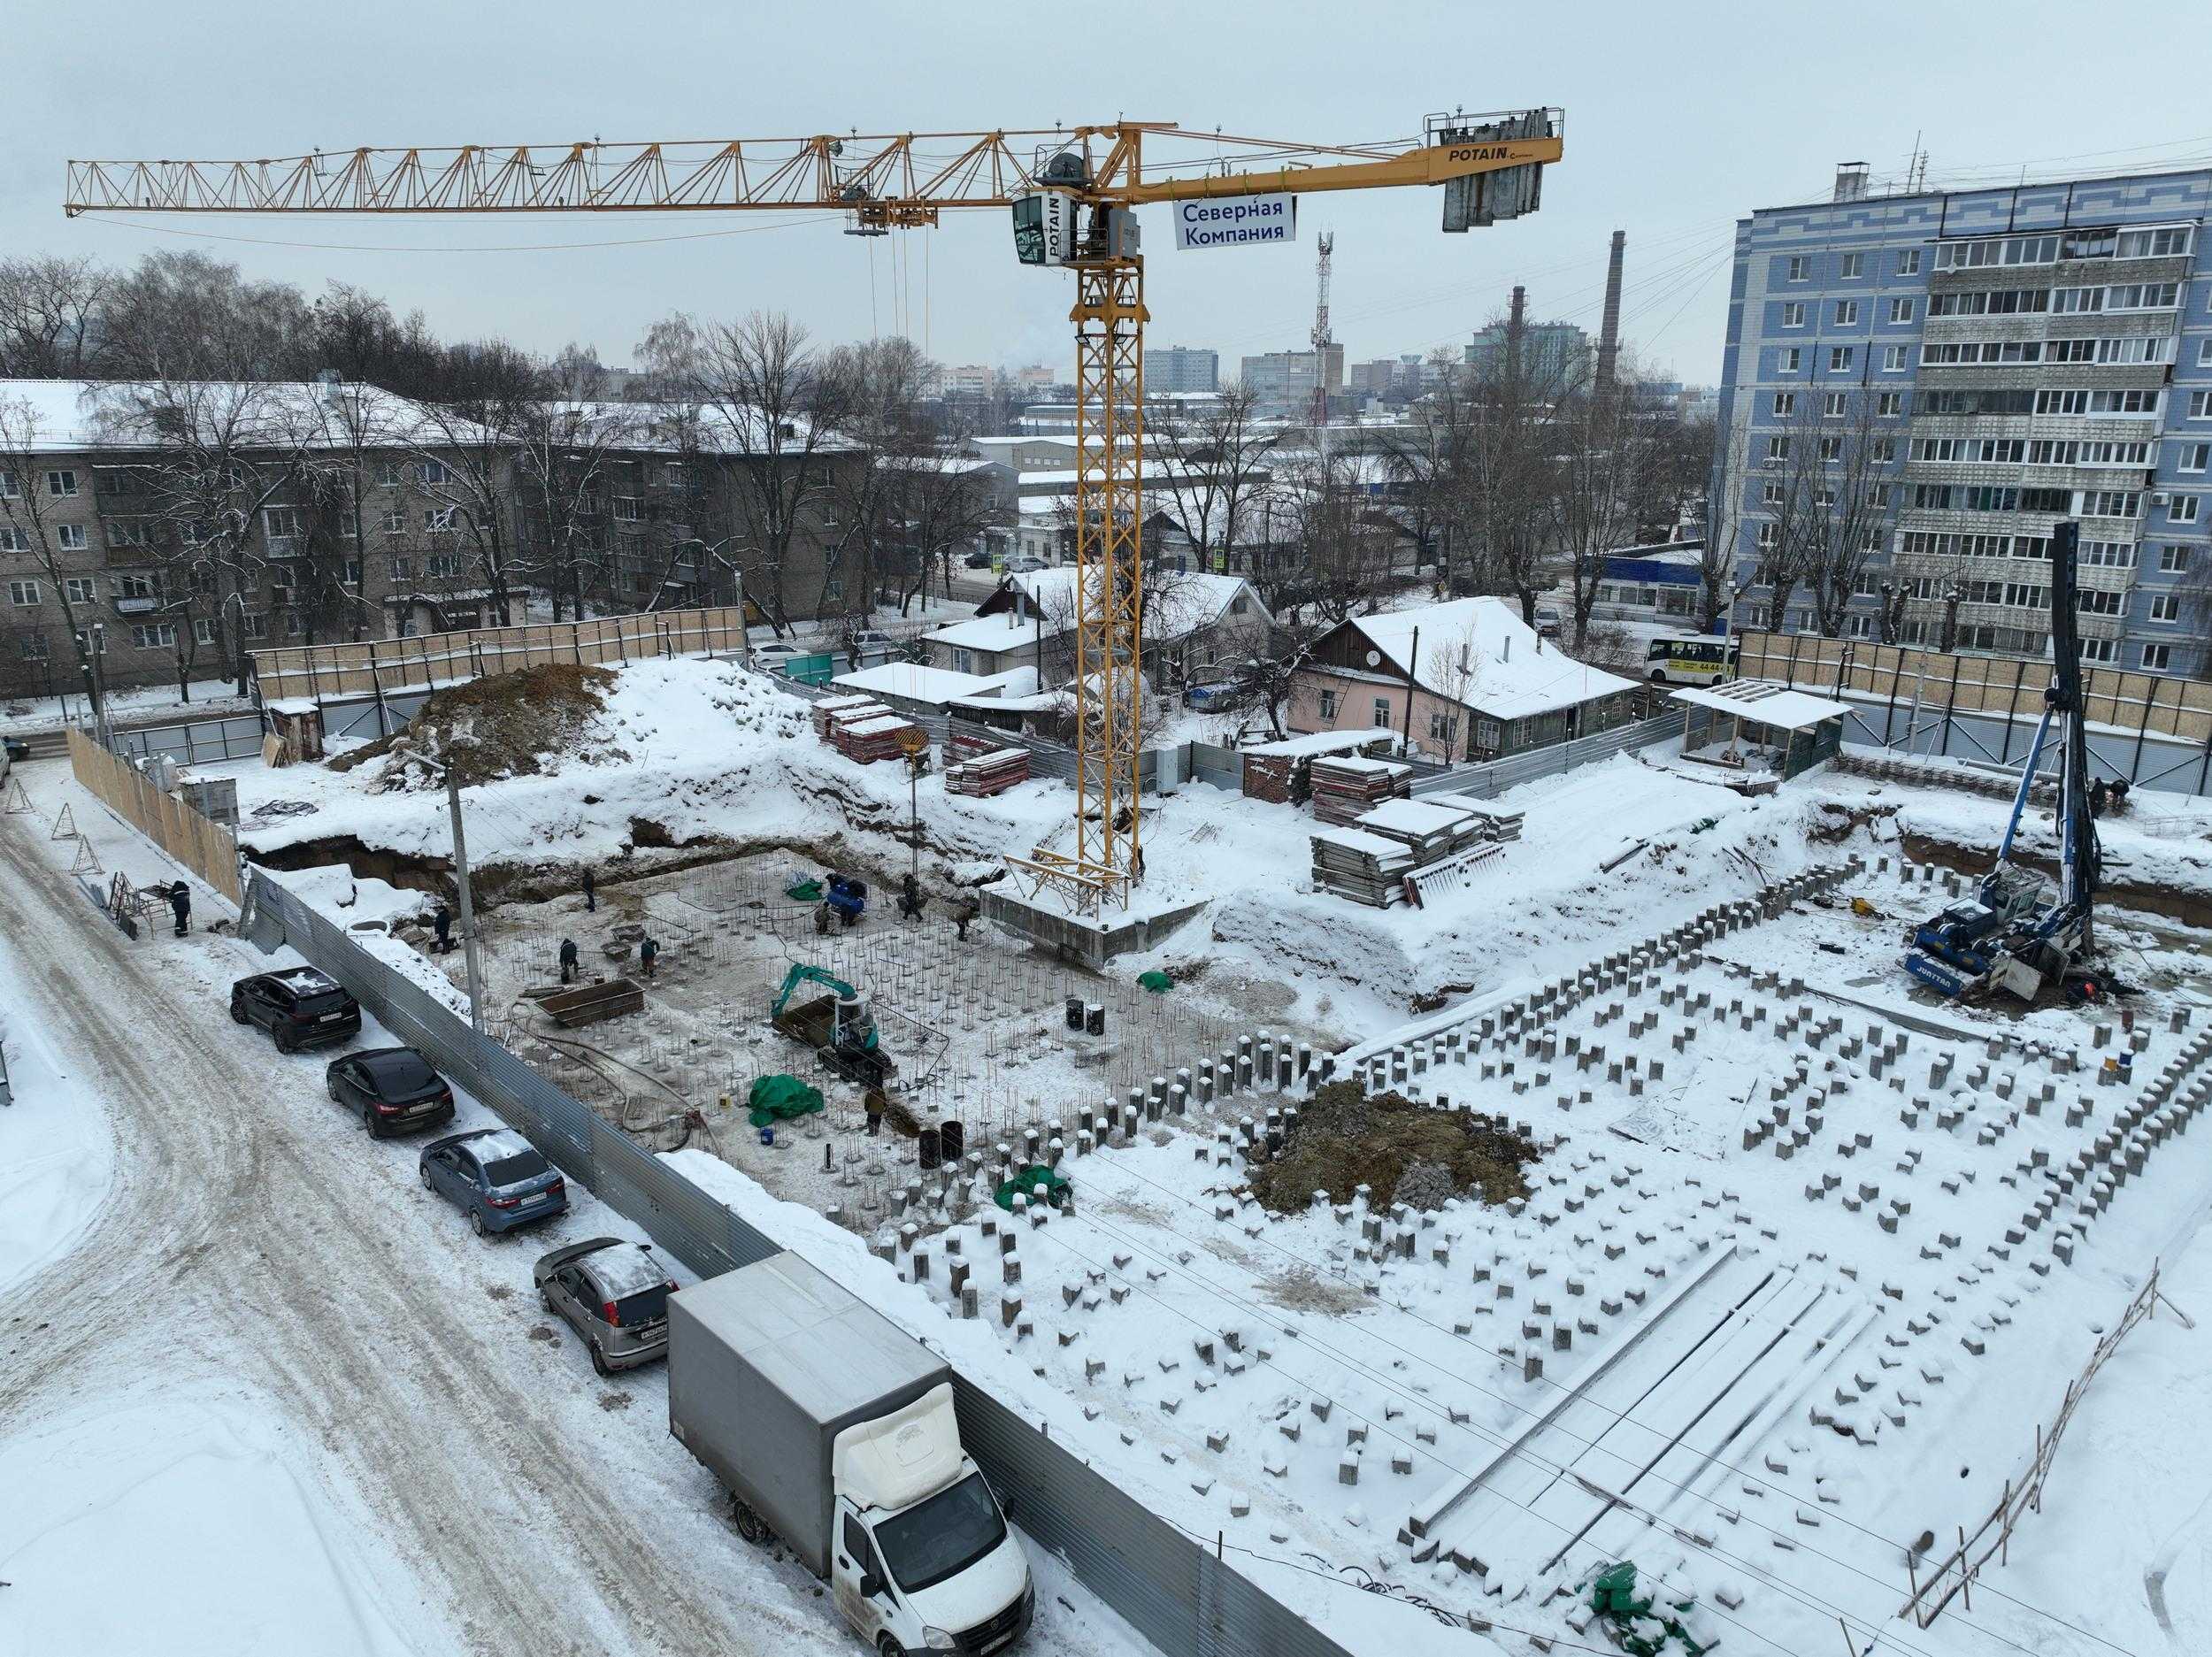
(833, 1430)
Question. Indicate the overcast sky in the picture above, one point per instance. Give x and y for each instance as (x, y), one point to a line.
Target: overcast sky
(1680, 119)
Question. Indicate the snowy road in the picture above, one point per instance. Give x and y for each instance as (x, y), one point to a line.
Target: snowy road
(258, 1246)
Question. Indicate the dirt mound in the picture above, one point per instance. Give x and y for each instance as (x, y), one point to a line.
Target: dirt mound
(1400, 1151)
(495, 727)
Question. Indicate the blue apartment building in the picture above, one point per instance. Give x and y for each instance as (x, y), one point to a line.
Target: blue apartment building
(1983, 363)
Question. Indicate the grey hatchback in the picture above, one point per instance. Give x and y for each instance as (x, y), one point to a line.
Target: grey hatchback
(499, 1178)
(615, 1295)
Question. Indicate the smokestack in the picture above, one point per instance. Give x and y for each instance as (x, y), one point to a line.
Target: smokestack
(1609, 334)
(1850, 181)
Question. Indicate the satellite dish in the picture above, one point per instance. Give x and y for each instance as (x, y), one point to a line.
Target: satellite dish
(1374, 658)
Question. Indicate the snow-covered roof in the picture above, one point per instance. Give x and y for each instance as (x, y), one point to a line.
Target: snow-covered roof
(623, 1269)
(1176, 606)
(1479, 651)
(77, 415)
(909, 681)
(994, 633)
(671, 427)
(1763, 701)
(1319, 742)
(306, 980)
(498, 1145)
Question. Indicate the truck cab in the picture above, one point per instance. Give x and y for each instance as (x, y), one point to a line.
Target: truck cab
(921, 1557)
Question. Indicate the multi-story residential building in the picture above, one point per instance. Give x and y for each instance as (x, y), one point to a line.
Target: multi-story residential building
(174, 527)
(1282, 382)
(2020, 357)
(1182, 368)
(1552, 353)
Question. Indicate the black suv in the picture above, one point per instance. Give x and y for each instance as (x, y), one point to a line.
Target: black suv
(299, 1007)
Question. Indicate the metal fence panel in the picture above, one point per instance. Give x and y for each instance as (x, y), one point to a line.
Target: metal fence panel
(194, 741)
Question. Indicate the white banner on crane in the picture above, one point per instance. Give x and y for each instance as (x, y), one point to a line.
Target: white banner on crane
(1236, 221)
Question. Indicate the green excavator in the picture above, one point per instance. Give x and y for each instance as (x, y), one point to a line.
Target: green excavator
(838, 1025)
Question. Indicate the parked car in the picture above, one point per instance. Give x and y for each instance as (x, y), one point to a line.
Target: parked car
(870, 639)
(497, 1178)
(977, 561)
(776, 652)
(392, 1089)
(1548, 624)
(18, 750)
(299, 1008)
(616, 1296)
(1026, 565)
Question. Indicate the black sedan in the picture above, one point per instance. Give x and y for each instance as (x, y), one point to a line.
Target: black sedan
(394, 1089)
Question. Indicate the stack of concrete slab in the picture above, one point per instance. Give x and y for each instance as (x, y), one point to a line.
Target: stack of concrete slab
(1431, 829)
(1281, 771)
(1345, 790)
(1369, 869)
(830, 708)
(886, 736)
(1492, 823)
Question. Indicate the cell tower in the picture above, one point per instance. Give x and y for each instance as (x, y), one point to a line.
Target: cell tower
(1326, 244)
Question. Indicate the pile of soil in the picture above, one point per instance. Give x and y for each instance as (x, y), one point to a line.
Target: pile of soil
(1400, 1151)
(489, 728)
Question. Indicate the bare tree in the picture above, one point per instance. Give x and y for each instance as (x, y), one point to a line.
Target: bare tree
(25, 524)
(1215, 473)
(1510, 462)
(1431, 462)
(563, 450)
(461, 456)
(48, 311)
(1855, 505)
(1346, 545)
(183, 316)
(777, 408)
(1601, 451)
(1262, 682)
(1722, 448)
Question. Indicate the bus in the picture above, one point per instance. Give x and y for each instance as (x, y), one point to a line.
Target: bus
(1690, 659)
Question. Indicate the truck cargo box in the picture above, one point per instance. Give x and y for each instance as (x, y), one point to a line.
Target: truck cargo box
(766, 1365)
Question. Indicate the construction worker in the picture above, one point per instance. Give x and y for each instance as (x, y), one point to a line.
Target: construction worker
(441, 923)
(181, 902)
(970, 906)
(568, 959)
(591, 897)
(2119, 796)
(648, 953)
(2096, 797)
(910, 899)
(822, 918)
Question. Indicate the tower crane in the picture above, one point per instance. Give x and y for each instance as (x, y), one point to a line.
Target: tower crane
(1073, 196)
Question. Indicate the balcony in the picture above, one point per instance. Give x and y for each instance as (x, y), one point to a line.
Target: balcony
(143, 604)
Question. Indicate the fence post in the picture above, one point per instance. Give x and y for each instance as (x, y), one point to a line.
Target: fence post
(1951, 703)
(2012, 708)
(2143, 728)
(376, 689)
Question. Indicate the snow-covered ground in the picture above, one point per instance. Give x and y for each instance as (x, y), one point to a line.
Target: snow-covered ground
(55, 1160)
(274, 1393)
(142, 704)
(1768, 1355)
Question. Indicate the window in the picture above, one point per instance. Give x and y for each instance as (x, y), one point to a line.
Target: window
(1785, 404)
(395, 523)
(1908, 262)
(349, 523)
(2153, 244)
(204, 631)
(1794, 314)
(628, 509)
(2099, 403)
(1846, 313)
(2156, 657)
(1328, 702)
(350, 574)
(283, 575)
(1800, 267)
(388, 474)
(2100, 650)
(279, 523)
(440, 520)
(1900, 310)
(1950, 353)
(1854, 266)
(154, 635)
(62, 483)
(79, 589)
(1893, 359)
(1961, 255)
(23, 593)
(255, 625)
(2200, 405)
(2022, 596)
(1777, 449)
(1443, 727)
(70, 537)
(1889, 404)
(2107, 503)
(10, 490)
(129, 531)
(1840, 357)
(2166, 607)
(443, 566)
(2204, 352)
(402, 569)
(1382, 713)
(1830, 450)
(32, 646)
(1771, 495)
(1791, 361)
(675, 474)
(2002, 302)
(1832, 404)
(2182, 508)
(2100, 555)
(291, 624)
(2091, 602)
(432, 474)
(2173, 560)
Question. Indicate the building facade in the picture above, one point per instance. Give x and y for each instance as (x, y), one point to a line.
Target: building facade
(1283, 382)
(1182, 368)
(1992, 363)
(1552, 353)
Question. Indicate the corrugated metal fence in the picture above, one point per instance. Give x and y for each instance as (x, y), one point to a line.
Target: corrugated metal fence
(1494, 778)
(1165, 1583)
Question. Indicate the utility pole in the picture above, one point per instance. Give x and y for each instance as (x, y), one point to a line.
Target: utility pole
(468, 910)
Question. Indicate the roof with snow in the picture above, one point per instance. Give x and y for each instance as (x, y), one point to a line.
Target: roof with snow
(714, 428)
(1763, 701)
(1479, 652)
(1176, 606)
(76, 416)
(935, 686)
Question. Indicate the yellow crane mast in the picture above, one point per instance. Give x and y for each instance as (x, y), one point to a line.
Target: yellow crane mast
(1073, 202)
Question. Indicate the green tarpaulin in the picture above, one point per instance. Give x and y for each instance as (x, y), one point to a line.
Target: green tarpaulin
(1156, 981)
(804, 892)
(780, 1098)
(1036, 1182)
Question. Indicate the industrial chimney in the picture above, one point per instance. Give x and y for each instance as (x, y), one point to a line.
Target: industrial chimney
(1609, 331)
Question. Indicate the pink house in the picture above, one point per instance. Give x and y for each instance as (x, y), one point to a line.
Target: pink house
(1467, 681)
